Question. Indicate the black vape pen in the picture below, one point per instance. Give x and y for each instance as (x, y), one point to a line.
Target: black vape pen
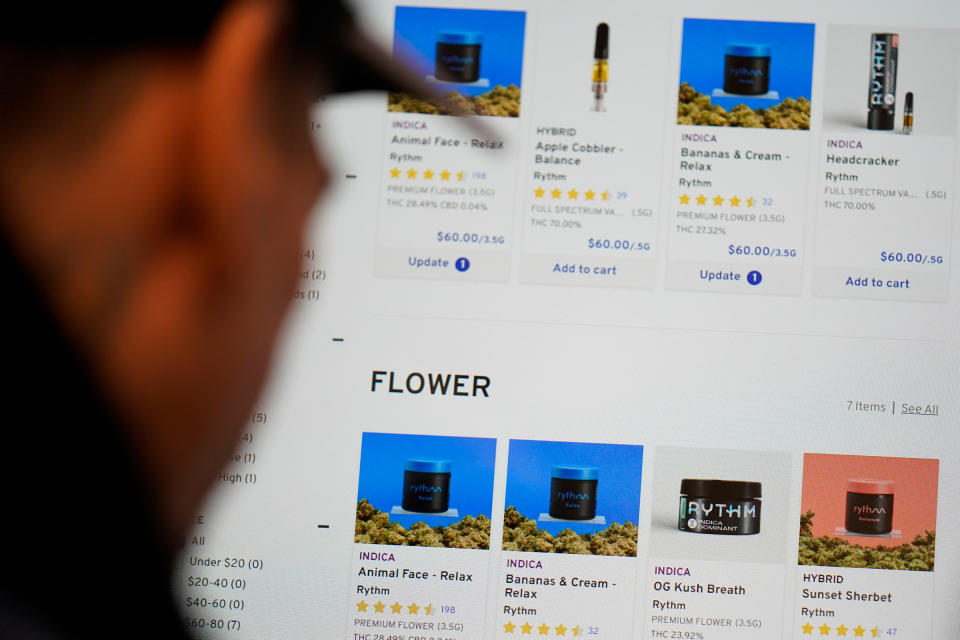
(882, 95)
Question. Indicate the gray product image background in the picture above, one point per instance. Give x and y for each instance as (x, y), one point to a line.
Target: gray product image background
(928, 64)
(772, 469)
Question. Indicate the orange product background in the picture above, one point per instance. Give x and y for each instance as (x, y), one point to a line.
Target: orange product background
(914, 493)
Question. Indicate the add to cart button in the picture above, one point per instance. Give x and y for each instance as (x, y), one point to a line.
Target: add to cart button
(604, 269)
(588, 271)
(878, 283)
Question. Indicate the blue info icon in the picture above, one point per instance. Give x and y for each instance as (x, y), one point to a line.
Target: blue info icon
(754, 278)
(462, 264)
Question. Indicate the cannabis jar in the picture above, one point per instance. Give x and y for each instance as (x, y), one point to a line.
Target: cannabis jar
(458, 56)
(724, 507)
(426, 485)
(573, 492)
(746, 69)
(869, 506)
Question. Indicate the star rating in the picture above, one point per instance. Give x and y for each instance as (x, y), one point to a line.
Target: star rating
(413, 608)
(841, 630)
(572, 193)
(426, 174)
(716, 200)
(543, 629)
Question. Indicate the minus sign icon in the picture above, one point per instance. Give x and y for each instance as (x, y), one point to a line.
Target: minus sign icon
(351, 176)
(338, 339)
(323, 526)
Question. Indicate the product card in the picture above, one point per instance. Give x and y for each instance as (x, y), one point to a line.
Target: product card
(863, 603)
(422, 535)
(593, 173)
(570, 538)
(736, 221)
(413, 592)
(588, 221)
(883, 229)
(449, 183)
(718, 523)
(713, 600)
(867, 546)
(887, 163)
(566, 595)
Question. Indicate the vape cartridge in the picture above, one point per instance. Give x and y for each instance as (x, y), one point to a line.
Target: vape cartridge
(600, 53)
(908, 113)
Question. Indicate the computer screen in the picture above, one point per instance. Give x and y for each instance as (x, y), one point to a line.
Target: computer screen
(644, 325)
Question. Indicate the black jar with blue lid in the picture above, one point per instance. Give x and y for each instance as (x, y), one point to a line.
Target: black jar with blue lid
(573, 492)
(426, 485)
(746, 69)
(458, 56)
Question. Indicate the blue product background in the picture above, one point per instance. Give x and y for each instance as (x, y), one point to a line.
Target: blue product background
(618, 490)
(501, 56)
(791, 56)
(382, 456)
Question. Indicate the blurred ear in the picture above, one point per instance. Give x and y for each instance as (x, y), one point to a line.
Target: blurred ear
(234, 87)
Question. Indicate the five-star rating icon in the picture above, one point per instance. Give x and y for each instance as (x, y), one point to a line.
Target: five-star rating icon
(445, 175)
(542, 629)
(396, 608)
(840, 630)
(557, 193)
(702, 200)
